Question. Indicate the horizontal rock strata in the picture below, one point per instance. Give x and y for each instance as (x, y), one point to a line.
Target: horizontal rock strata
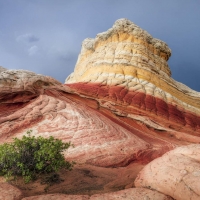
(123, 74)
(159, 111)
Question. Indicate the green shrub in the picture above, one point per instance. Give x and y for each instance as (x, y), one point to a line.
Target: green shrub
(31, 156)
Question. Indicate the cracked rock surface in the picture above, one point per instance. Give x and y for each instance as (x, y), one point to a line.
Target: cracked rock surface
(176, 173)
(9, 192)
(131, 194)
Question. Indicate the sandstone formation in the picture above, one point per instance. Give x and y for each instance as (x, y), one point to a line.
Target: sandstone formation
(58, 197)
(126, 71)
(131, 194)
(9, 192)
(43, 105)
(121, 109)
(2, 69)
(176, 173)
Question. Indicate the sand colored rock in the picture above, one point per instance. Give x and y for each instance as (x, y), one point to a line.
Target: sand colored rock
(58, 197)
(126, 55)
(128, 194)
(9, 192)
(132, 194)
(139, 90)
(86, 179)
(2, 69)
(120, 50)
(176, 173)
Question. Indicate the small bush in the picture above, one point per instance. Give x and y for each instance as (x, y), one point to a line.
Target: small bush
(30, 156)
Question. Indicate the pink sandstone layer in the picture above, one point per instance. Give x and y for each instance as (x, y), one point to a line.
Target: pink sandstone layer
(170, 119)
(128, 194)
(176, 173)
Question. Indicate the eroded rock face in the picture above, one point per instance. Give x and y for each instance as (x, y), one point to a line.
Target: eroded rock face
(2, 69)
(9, 192)
(128, 194)
(125, 69)
(176, 173)
(45, 106)
(120, 51)
(132, 194)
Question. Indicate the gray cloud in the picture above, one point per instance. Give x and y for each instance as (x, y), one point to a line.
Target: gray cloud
(33, 50)
(27, 38)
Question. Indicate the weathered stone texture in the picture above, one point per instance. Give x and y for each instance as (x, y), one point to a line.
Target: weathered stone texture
(128, 194)
(176, 173)
(9, 192)
(141, 90)
(132, 194)
(2, 69)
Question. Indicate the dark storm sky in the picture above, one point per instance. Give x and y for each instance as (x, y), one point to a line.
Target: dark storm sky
(45, 36)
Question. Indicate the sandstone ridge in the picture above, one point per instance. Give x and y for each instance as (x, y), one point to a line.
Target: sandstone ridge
(124, 47)
(125, 76)
(2, 69)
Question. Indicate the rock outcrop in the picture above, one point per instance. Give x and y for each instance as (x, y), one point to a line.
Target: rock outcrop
(2, 69)
(126, 71)
(121, 109)
(176, 173)
(40, 103)
(131, 194)
(9, 192)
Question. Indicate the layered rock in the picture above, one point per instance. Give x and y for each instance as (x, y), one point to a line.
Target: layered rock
(125, 69)
(42, 104)
(39, 103)
(175, 174)
(120, 51)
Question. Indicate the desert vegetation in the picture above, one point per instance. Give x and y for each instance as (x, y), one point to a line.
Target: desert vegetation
(32, 156)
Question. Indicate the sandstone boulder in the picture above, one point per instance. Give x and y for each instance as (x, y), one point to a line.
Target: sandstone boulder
(128, 194)
(9, 192)
(132, 194)
(176, 173)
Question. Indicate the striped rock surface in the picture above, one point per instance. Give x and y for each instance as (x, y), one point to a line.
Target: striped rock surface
(125, 69)
(176, 173)
(47, 107)
(42, 104)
